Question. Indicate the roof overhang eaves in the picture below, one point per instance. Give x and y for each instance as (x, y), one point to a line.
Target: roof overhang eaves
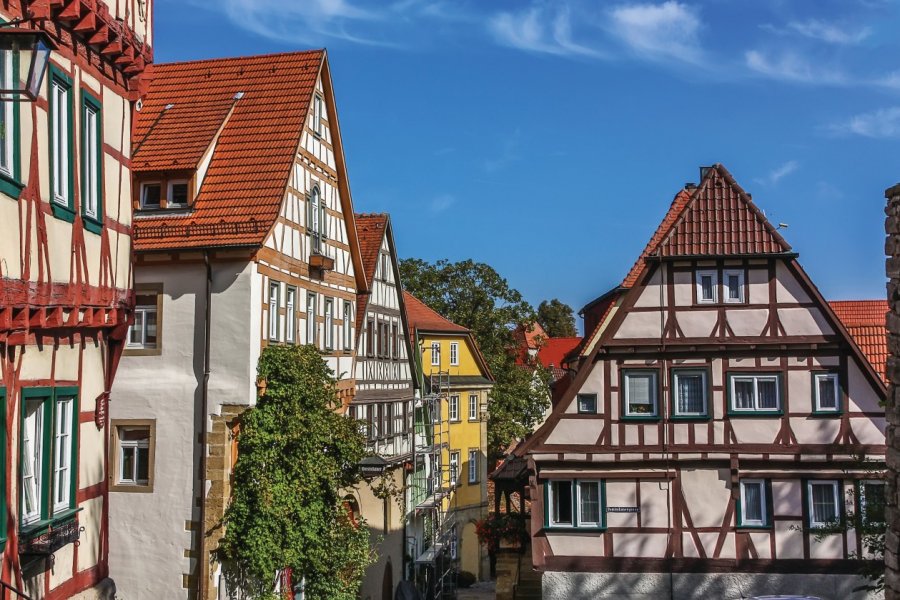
(200, 247)
(672, 258)
(601, 298)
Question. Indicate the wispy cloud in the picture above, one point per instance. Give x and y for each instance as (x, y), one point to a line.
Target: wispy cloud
(667, 30)
(883, 123)
(441, 203)
(779, 173)
(539, 29)
(822, 31)
(509, 153)
(794, 68)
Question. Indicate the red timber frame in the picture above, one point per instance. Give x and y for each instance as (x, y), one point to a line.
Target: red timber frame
(36, 310)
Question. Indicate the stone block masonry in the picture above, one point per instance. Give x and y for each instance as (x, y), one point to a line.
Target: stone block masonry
(892, 410)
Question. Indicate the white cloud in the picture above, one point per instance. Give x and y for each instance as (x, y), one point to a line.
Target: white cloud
(668, 30)
(779, 173)
(793, 67)
(832, 33)
(540, 30)
(441, 203)
(882, 123)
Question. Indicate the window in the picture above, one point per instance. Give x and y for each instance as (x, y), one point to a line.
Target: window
(454, 353)
(311, 318)
(92, 163)
(560, 505)
(734, 285)
(824, 503)
(290, 313)
(473, 407)
(61, 179)
(753, 503)
(274, 288)
(755, 394)
(395, 341)
(589, 503)
(587, 403)
(641, 390)
(826, 393)
(454, 408)
(317, 114)
(329, 323)
(435, 354)
(178, 194)
(144, 332)
(132, 456)
(398, 418)
(387, 420)
(454, 467)
(871, 502)
(689, 393)
(348, 332)
(575, 504)
(707, 287)
(7, 116)
(370, 337)
(384, 267)
(473, 465)
(315, 219)
(47, 454)
(150, 194)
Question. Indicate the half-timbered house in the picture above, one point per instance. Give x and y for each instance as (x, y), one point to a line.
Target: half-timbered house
(724, 431)
(65, 288)
(384, 402)
(244, 236)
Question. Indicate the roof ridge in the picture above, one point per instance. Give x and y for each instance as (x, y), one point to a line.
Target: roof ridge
(237, 58)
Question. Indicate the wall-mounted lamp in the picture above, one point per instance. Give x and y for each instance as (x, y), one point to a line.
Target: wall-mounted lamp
(28, 45)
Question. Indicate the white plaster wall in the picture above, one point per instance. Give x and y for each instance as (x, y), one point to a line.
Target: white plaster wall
(576, 431)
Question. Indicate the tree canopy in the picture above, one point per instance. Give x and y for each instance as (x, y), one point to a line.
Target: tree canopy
(557, 318)
(475, 296)
(295, 455)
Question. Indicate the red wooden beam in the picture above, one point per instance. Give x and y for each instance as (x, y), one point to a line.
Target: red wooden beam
(87, 24)
(39, 9)
(72, 12)
(100, 37)
(127, 56)
(137, 66)
(112, 48)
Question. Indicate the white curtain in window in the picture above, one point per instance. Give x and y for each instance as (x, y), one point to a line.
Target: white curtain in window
(753, 502)
(743, 393)
(824, 507)
(590, 502)
(690, 393)
(768, 393)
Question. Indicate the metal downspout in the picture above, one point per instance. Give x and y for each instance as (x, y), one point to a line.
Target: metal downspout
(202, 562)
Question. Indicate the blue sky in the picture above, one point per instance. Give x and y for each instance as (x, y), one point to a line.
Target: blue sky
(548, 138)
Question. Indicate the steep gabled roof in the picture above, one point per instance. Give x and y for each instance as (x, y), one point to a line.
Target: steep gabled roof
(865, 321)
(424, 318)
(268, 98)
(678, 203)
(370, 230)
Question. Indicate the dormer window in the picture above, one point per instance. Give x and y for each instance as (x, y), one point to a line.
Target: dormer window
(151, 192)
(178, 194)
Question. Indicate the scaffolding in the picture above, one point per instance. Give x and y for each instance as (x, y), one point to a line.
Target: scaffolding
(434, 548)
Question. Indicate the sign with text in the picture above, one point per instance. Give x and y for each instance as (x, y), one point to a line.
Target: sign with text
(623, 509)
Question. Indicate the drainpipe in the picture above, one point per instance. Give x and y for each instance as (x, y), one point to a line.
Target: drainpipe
(202, 562)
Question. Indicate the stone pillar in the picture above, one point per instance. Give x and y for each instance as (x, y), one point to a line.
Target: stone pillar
(892, 408)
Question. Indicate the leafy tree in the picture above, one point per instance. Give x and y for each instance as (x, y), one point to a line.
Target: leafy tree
(295, 455)
(475, 296)
(557, 318)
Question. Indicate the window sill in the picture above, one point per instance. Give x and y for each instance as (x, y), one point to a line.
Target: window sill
(741, 528)
(639, 418)
(63, 213)
(755, 414)
(825, 413)
(575, 529)
(10, 186)
(689, 418)
(131, 488)
(38, 527)
(91, 224)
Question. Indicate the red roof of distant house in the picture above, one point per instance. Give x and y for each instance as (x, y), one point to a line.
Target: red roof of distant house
(423, 317)
(865, 320)
(554, 350)
(245, 183)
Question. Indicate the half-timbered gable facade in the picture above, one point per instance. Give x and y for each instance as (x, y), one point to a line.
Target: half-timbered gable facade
(244, 237)
(384, 401)
(716, 423)
(65, 287)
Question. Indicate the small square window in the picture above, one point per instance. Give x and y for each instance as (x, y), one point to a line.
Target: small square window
(640, 393)
(144, 333)
(178, 194)
(150, 195)
(707, 287)
(689, 393)
(826, 393)
(132, 455)
(753, 503)
(587, 403)
(734, 286)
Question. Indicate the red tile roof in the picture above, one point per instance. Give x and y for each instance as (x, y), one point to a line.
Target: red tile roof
(245, 184)
(370, 230)
(554, 350)
(865, 320)
(423, 317)
(678, 203)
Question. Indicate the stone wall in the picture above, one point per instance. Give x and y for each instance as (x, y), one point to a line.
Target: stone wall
(892, 249)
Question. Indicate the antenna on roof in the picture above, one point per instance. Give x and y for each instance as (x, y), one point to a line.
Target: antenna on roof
(239, 95)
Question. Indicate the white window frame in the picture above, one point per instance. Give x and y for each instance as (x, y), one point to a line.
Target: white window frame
(578, 399)
(311, 318)
(60, 128)
(454, 467)
(135, 445)
(274, 302)
(6, 112)
(92, 156)
(290, 314)
(676, 373)
(473, 407)
(473, 465)
(580, 521)
(701, 273)
(329, 323)
(63, 412)
(435, 354)
(140, 320)
(317, 215)
(453, 408)
(170, 189)
(654, 388)
(33, 456)
(348, 330)
(144, 186)
(836, 487)
(317, 114)
(726, 291)
(817, 397)
(551, 503)
(454, 354)
(734, 377)
(745, 522)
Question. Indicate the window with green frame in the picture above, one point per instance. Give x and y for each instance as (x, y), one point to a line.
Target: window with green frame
(10, 129)
(577, 503)
(91, 162)
(47, 455)
(60, 125)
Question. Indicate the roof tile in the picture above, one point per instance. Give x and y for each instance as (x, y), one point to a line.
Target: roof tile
(865, 320)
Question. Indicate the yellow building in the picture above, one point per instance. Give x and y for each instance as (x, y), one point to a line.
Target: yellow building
(448, 351)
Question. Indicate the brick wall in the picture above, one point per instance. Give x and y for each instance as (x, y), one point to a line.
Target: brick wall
(892, 249)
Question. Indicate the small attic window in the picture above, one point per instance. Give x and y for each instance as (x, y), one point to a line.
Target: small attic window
(317, 114)
(150, 194)
(178, 194)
